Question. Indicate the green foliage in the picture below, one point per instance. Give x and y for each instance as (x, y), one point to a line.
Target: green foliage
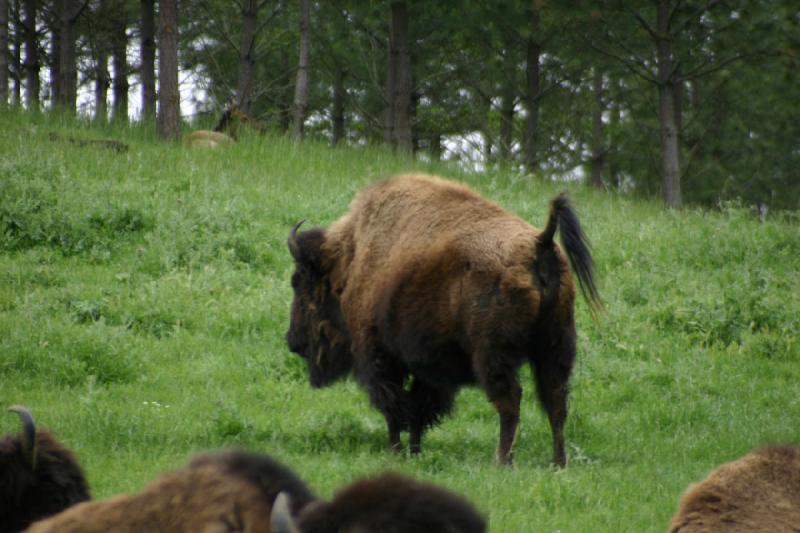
(163, 333)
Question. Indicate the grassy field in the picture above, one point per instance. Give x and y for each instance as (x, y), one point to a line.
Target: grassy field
(144, 299)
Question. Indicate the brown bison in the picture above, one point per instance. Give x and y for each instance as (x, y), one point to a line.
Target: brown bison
(759, 492)
(236, 491)
(216, 493)
(38, 476)
(388, 503)
(423, 286)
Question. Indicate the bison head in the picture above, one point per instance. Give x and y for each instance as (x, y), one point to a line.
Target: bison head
(316, 329)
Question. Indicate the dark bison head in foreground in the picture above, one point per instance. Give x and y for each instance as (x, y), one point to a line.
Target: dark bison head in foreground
(424, 286)
(38, 476)
(759, 492)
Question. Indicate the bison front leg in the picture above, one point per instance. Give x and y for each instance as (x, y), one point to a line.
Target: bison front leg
(383, 380)
(427, 405)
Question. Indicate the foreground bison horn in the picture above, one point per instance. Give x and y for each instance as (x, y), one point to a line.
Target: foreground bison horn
(28, 434)
(294, 248)
(281, 517)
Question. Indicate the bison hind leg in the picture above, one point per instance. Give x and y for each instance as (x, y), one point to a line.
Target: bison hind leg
(552, 369)
(428, 404)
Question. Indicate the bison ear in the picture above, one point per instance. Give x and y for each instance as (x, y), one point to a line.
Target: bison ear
(306, 247)
(281, 518)
(28, 434)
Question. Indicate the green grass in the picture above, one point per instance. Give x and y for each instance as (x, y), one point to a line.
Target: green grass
(144, 299)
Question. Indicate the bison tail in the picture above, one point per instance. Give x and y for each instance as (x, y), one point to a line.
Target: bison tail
(575, 244)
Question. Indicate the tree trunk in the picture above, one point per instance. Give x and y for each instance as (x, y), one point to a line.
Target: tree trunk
(598, 141)
(286, 95)
(532, 95)
(16, 54)
(55, 56)
(68, 68)
(3, 53)
(31, 56)
(337, 114)
(391, 82)
(670, 157)
(119, 61)
(169, 101)
(301, 86)
(401, 98)
(101, 85)
(247, 55)
(148, 57)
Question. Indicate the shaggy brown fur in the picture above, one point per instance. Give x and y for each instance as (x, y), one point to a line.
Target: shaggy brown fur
(38, 476)
(758, 493)
(424, 286)
(216, 493)
(390, 503)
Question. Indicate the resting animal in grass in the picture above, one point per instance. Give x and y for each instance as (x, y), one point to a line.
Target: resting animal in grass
(38, 476)
(236, 492)
(759, 492)
(215, 493)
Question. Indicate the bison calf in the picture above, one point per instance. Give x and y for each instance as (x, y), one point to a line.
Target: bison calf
(389, 503)
(758, 493)
(38, 476)
(423, 286)
(216, 493)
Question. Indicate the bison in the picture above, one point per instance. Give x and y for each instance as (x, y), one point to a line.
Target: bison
(38, 476)
(225, 492)
(236, 491)
(759, 492)
(423, 286)
(389, 503)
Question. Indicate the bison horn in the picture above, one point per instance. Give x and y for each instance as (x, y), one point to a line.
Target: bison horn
(294, 248)
(28, 434)
(281, 518)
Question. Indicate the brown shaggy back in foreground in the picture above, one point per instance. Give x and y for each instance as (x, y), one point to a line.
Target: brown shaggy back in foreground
(215, 493)
(758, 493)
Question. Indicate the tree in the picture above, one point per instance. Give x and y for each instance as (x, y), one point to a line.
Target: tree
(301, 86)
(31, 64)
(168, 121)
(67, 95)
(3, 53)
(119, 59)
(147, 51)
(399, 81)
(247, 54)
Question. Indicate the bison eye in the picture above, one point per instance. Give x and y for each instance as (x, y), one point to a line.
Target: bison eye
(295, 280)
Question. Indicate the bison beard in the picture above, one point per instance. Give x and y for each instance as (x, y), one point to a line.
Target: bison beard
(423, 287)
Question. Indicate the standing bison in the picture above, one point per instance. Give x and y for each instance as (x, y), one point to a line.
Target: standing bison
(423, 287)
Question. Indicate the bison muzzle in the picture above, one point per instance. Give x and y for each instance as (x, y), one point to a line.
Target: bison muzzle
(423, 286)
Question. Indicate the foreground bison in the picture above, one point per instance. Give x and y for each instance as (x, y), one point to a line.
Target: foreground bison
(38, 476)
(235, 491)
(215, 493)
(424, 286)
(388, 503)
(758, 493)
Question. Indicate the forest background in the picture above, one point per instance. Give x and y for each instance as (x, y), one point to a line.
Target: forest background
(692, 101)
